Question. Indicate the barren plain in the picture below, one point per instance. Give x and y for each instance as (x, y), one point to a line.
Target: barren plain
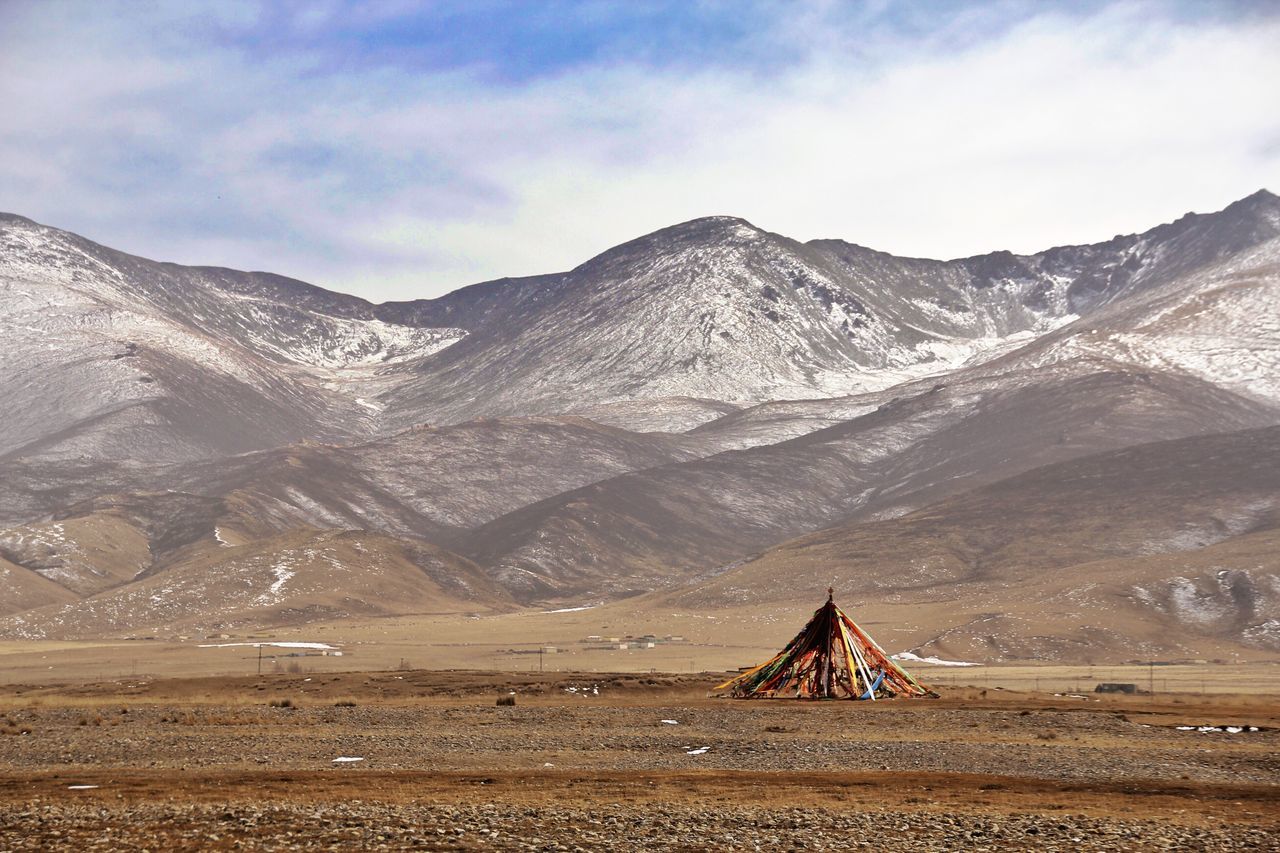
(587, 761)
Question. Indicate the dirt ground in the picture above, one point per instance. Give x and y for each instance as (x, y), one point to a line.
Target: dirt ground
(511, 643)
(623, 761)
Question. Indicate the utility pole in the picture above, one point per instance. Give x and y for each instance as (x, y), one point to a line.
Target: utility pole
(259, 659)
(1151, 679)
(540, 651)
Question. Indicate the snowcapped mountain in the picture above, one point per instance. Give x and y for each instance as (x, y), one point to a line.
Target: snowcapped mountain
(650, 419)
(718, 309)
(1219, 322)
(108, 356)
(288, 320)
(195, 362)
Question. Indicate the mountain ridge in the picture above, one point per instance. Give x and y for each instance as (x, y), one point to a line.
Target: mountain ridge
(1262, 202)
(655, 416)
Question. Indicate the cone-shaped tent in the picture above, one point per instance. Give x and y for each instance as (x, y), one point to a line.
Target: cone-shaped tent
(831, 658)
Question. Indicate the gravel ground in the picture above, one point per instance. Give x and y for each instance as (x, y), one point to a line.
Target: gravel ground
(501, 827)
(1050, 745)
(563, 771)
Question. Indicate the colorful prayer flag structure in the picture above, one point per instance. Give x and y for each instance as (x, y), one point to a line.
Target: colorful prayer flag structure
(831, 658)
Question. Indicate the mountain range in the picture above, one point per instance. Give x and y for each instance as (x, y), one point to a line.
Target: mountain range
(1069, 454)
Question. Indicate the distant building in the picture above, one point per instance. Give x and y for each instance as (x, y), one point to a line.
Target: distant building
(1115, 687)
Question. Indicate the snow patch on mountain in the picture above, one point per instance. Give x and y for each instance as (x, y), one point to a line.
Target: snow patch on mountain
(282, 572)
(1238, 600)
(318, 340)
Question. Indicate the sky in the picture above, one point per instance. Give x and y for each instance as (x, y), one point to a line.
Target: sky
(399, 150)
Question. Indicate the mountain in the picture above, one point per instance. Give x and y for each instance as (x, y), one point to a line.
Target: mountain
(111, 357)
(300, 577)
(1162, 548)
(423, 486)
(717, 308)
(193, 449)
(663, 525)
(1218, 321)
(197, 362)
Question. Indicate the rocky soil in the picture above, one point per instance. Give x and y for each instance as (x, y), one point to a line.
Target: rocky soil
(374, 826)
(591, 735)
(651, 765)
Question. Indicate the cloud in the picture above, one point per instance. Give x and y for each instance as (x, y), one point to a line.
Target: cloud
(366, 149)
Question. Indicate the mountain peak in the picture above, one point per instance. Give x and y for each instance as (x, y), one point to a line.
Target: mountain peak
(709, 227)
(706, 230)
(1263, 201)
(13, 217)
(1262, 195)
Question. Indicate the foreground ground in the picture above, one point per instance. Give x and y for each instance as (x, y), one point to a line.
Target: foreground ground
(595, 761)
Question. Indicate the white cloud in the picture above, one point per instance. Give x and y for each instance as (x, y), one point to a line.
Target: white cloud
(398, 184)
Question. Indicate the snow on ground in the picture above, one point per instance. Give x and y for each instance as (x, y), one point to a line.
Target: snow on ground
(1221, 325)
(282, 572)
(92, 299)
(572, 609)
(284, 644)
(320, 340)
(909, 656)
(593, 690)
(1234, 730)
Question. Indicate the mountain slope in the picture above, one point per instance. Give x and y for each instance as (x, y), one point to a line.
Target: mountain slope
(563, 508)
(108, 356)
(662, 525)
(1172, 541)
(304, 576)
(422, 486)
(169, 428)
(27, 590)
(1220, 323)
(717, 308)
(196, 362)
